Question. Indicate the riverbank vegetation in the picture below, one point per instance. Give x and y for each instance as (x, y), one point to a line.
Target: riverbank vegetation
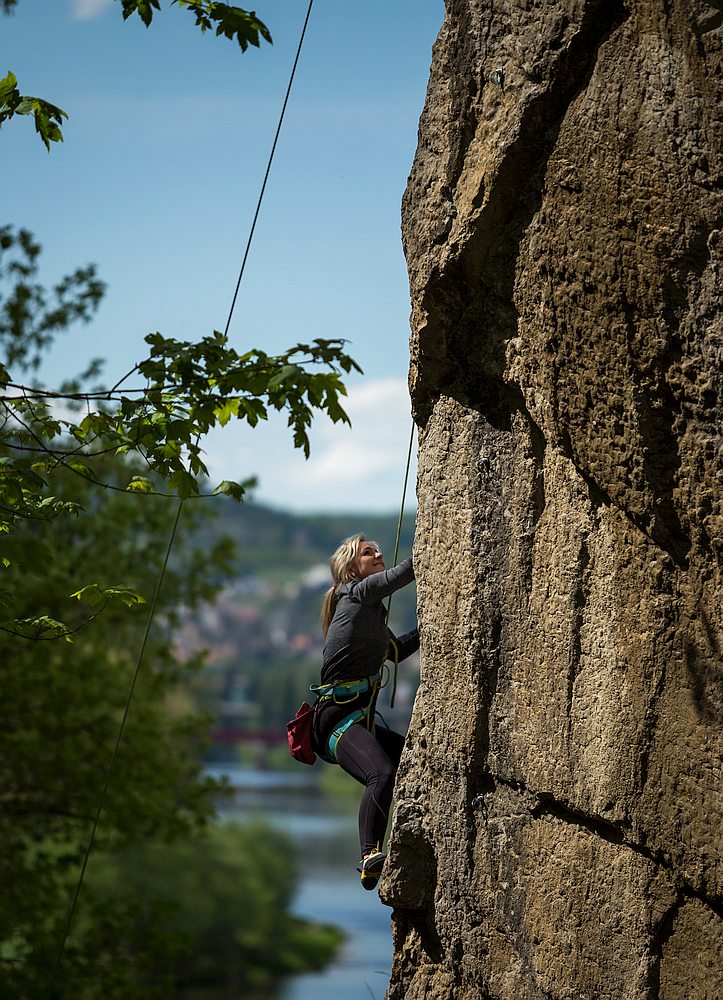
(216, 908)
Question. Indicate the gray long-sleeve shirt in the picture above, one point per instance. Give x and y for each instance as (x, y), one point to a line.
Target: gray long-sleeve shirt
(358, 640)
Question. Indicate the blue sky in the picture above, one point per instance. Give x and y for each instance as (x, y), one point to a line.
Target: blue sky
(157, 179)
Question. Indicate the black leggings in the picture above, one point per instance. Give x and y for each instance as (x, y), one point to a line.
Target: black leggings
(373, 759)
(370, 757)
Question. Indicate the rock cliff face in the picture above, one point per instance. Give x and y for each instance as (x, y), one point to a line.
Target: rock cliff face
(559, 805)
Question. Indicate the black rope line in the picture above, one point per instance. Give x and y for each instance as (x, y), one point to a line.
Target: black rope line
(401, 509)
(268, 169)
(396, 556)
(114, 755)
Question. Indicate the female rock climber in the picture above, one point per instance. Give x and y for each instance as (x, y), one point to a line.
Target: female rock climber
(358, 643)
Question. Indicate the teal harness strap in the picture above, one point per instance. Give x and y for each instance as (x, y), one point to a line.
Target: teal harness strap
(342, 691)
(336, 734)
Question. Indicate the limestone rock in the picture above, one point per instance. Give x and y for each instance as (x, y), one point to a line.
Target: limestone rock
(559, 804)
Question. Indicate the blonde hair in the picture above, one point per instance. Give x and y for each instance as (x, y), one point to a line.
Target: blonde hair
(342, 565)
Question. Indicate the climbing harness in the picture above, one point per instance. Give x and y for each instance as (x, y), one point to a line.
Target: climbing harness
(336, 734)
(299, 730)
(339, 693)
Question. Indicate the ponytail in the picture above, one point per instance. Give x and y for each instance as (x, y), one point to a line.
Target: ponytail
(328, 608)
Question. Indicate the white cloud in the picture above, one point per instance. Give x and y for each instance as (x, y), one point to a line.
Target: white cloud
(358, 468)
(83, 10)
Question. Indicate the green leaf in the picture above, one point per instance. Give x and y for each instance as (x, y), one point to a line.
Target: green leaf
(47, 116)
(82, 468)
(231, 489)
(183, 483)
(8, 86)
(144, 9)
(44, 627)
(92, 595)
(125, 595)
(283, 375)
(139, 484)
(229, 409)
(231, 22)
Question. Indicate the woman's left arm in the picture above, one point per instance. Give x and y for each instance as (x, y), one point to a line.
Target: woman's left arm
(406, 644)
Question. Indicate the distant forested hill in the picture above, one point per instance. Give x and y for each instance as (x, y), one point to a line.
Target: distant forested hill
(268, 539)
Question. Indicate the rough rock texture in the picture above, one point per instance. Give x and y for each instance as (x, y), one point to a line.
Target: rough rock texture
(558, 821)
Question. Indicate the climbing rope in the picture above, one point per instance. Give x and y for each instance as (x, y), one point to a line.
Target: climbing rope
(139, 660)
(396, 555)
(268, 166)
(404, 496)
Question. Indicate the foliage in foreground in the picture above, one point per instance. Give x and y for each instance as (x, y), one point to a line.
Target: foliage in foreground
(71, 460)
(59, 718)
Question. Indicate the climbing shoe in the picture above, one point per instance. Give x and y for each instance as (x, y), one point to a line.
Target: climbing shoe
(371, 869)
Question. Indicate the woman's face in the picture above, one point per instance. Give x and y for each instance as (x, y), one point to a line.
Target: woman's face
(369, 560)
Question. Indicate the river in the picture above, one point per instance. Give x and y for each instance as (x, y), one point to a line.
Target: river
(324, 828)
